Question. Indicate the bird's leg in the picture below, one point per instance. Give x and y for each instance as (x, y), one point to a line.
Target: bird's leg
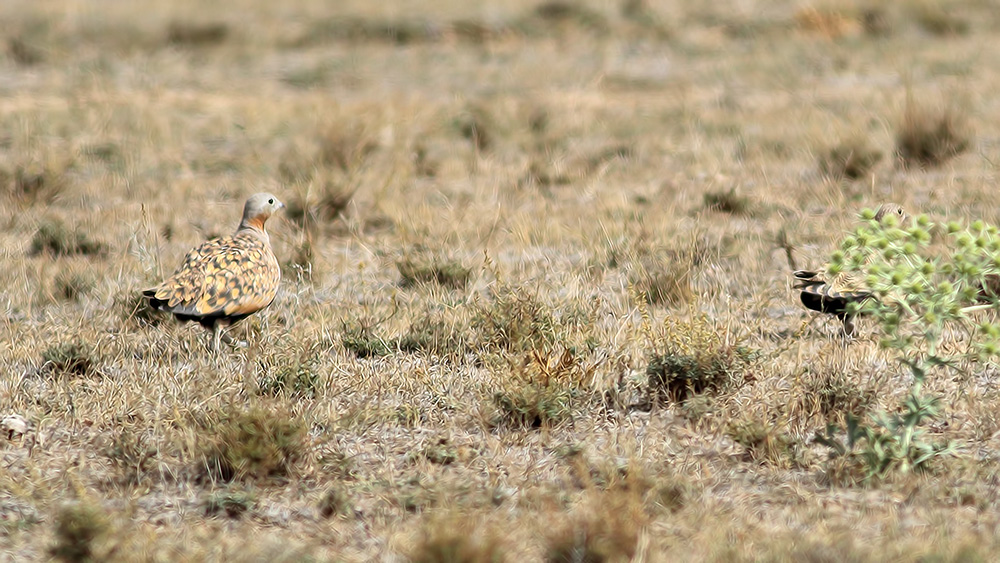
(232, 342)
(849, 326)
(229, 340)
(216, 336)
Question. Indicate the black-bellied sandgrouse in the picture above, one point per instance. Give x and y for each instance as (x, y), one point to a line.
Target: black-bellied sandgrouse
(225, 279)
(833, 297)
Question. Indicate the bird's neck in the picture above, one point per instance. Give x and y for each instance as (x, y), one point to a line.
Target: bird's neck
(254, 226)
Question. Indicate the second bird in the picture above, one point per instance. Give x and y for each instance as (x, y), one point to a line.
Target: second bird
(834, 296)
(226, 279)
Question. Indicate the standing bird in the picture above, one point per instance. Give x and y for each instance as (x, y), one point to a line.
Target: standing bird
(833, 297)
(226, 279)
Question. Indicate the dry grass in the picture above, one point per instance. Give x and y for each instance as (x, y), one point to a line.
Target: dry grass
(929, 135)
(536, 299)
(852, 160)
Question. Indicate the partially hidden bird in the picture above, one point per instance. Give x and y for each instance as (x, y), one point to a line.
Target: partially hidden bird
(835, 295)
(226, 279)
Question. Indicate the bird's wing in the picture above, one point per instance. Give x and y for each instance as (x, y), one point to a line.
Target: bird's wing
(807, 278)
(849, 285)
(228, 276)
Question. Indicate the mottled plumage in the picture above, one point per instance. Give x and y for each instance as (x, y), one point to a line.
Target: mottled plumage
(226, 279)
(833, 297)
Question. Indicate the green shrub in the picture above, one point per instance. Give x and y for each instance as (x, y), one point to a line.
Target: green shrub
(891, 443)
(922, 296)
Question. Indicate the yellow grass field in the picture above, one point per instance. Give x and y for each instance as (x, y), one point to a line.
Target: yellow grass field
(501, 218)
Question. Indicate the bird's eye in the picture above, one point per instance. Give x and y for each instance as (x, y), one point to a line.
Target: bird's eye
(270, 201)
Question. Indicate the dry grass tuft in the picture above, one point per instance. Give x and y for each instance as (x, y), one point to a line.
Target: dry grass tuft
(194, 34)
(336, 501)
(297, 379)
(232, 503)
(835, 394)
(72, 285)
(876, 21)
(541, 392)
(302, 264)
(132, 307)
(421, 268)
(477, 126)
(696, 356)
(81, 529)
(928, 136)
(435, 335)
(763, 441)
(605, 527)
(665, 277)
(323, 201)
(76, 358)
(401, 31)
(646, 18)
(455, 537)
(559, 17)
(936, 18)
(24, 52)
(36, 182)
(346, 146)
(727, 202)
(852, 159)
(515, 321)
(251, 445)
(55, 238)
(133, 455)
(361, 339)
(670, 286)
(831, 24)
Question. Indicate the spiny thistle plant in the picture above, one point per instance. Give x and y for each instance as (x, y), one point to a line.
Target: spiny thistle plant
(921, 299)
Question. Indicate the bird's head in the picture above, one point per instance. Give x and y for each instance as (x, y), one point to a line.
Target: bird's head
(891, 209)
(258, 208)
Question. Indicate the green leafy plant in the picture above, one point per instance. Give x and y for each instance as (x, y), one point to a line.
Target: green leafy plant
(894, 442)
(922, 295)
